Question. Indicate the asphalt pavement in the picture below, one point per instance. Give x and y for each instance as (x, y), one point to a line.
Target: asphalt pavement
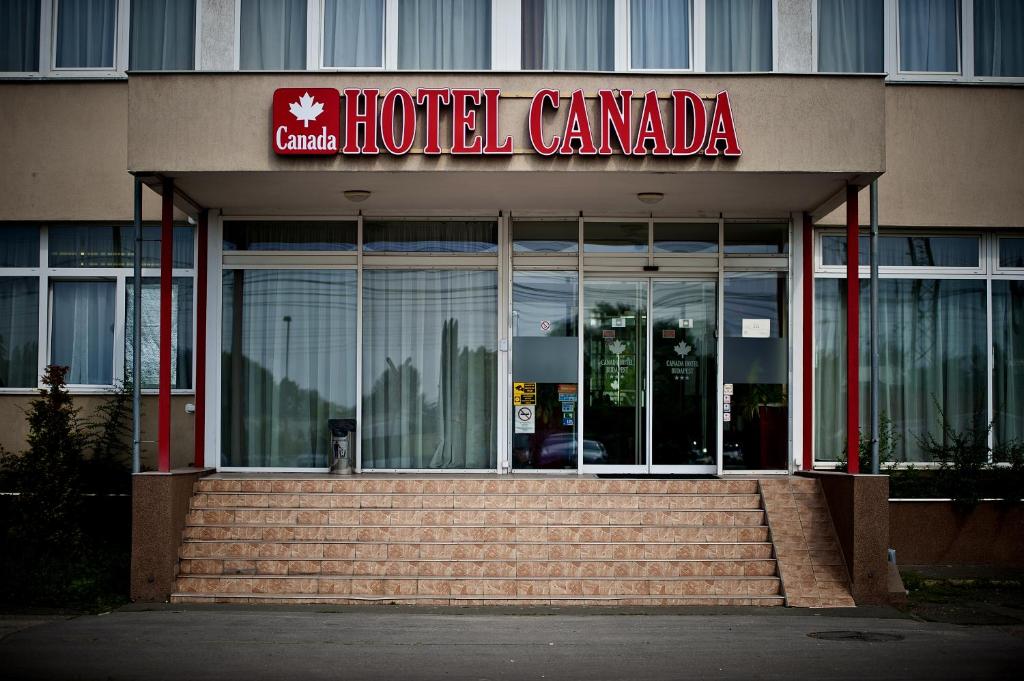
(387, 643)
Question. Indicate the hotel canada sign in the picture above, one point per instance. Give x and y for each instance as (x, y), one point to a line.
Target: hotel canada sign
(312, 121)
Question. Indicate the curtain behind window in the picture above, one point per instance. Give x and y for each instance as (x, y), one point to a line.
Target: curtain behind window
(1008, 360)
(163, 35)
(739, 35)
(929, 35)
(850, 34)
(19, 35)
(999, 37)
(19, 331)
(85, 33)
(659, 34)
(444, 34)
(569, 35)
(429, 369)
(82, 330)
(273, 35)
(181, 332)
(354, 33)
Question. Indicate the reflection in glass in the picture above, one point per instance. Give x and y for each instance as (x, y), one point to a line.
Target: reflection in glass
(931, 335)
(615, 348)
(615, 237)
(289, 363)
(114, 246)
(289, 235)
(1011, 252)
(420, 236)
(19, 331)
(756, 436)
(685, 371)
(181, 332)
(905, 251)
(685, 237)
(1008, 360)
(82, 330)
(546, 236)
(756, 238)
(429, 369)
(19, 246)
(544, 356)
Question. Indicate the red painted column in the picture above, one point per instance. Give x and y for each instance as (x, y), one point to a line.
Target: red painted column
(200, 418)
(808, 358)
(852, 331)
(163, 437)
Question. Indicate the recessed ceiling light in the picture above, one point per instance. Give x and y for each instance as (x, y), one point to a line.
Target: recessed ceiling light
(357, 195)
(650, 197)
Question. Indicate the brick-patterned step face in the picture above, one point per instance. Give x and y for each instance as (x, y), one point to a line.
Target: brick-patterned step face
(473, 541)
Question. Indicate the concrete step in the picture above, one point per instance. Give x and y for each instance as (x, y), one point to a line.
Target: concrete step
(468, 601)
(467, 485)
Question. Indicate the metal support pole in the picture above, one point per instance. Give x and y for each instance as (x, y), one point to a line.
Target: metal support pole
(875, 418)
(852, 331)
(137, 334)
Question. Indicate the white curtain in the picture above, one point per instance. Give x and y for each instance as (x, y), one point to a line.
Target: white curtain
(163, 35)
(660, 34)
(273, 35)
(999, 37)
(19, 331)
(85, 33)
(929, 35)
(444, 34)
(850, 36)
(289, 364)
(82, 330)
(1008, 360)
(739, 35)
(569, 35)
(19, 35)
(181, 332)
(354, 33)
(429, 369)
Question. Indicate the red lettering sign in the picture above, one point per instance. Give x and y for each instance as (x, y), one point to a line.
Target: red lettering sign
(307, 121)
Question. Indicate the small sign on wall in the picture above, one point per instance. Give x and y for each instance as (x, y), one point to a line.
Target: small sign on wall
(524, 420)
(757, 328)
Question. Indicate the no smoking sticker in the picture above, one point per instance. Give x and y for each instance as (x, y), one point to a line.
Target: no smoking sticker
(545, 325)
(524, 420)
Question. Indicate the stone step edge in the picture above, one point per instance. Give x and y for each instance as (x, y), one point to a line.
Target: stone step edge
(489, 560)
(399, 542)
(504, 525)
(497, 494)
(756, 509)
(778, 599)
(334, 578)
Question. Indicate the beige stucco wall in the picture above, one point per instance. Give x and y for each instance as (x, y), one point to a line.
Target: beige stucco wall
(954, 157)
(63, 152)
(14, 432)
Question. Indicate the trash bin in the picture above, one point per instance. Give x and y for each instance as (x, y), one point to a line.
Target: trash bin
(343, 445)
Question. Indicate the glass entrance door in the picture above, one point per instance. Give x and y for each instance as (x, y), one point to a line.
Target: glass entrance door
(649, 401)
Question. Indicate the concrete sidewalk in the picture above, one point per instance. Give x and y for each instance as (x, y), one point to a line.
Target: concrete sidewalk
(172, 642)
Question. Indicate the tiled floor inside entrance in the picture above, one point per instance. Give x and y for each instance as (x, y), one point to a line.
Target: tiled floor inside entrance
(508, 540)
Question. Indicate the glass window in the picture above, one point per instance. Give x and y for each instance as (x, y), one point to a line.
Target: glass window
(19, 36)
(279, 235)
(272, 35)
(544, 357)
(429, 369)
(289, 364)
(421, 236)
(850, 36)
(756, 364)
(444, 34)
(685, 237)
(114, 246)
(19, 331)
(756, 238)
(82, 330)
(1008, 360)
(354, 33)
(569, 35)
(1011, 252)
(929, 35)
(739, 35)
(931, 335)
(905, 251)
(659, 34)
(181, 332)
(163, 35)
(999, 37)
(546, 236)
(19, 246)
(615, 237)
(85, 34)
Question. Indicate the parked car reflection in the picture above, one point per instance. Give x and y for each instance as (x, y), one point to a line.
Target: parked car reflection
(558, 451)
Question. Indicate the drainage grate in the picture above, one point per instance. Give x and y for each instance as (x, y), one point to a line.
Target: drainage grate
(868, 636)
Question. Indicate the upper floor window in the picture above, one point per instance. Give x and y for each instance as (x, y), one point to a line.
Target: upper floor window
(162, 35)
(739, 35)
(569, 35)
(851, 36)
(353, 33)
(85, 34)
(659, 34)
(999, 38)
(19, 35)
(272, 35)
(929, 36)
(444, 34)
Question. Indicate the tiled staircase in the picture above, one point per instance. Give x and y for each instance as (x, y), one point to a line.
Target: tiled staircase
(474, 541)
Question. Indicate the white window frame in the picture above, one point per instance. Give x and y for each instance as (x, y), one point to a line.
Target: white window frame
(121, 277)
(892, 46)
